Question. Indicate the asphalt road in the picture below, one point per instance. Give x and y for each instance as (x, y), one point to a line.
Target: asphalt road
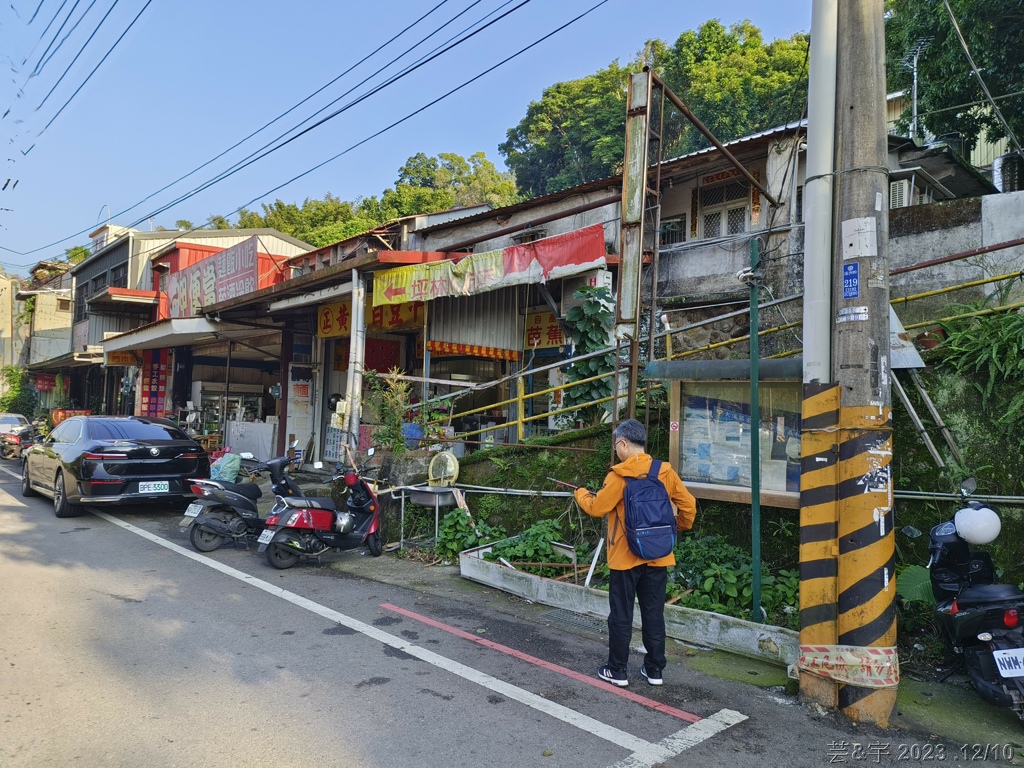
(121, 646)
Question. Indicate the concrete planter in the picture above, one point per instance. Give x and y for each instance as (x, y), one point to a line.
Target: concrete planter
(758, 641)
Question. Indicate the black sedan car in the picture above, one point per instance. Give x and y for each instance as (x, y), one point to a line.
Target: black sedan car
(105, 460)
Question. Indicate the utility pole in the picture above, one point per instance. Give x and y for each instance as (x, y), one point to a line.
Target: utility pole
(866, 618)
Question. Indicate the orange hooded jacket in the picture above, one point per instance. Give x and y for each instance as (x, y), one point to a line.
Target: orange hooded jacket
(608, 501)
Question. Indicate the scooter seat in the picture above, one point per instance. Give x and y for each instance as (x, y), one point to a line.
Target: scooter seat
(307, 502)
(988, 593)
(249, 490)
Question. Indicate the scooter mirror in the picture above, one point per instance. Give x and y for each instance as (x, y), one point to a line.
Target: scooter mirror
(968, 486)
(911, 532)
(370, 452)
(294, 444)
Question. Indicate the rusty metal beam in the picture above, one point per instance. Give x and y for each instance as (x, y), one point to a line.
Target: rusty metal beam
(711, 137)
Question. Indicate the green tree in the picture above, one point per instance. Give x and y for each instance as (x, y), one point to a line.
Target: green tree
(77, 254)
(732, 81)
(950, 100)
(183, 224)
(574, 134)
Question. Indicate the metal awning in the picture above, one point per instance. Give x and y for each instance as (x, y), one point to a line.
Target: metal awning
(69, 360)
(176, 332)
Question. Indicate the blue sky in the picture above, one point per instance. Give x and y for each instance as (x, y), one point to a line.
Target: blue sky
(189, 79)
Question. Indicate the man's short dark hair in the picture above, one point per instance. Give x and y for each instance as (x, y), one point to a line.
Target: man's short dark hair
(631, 431)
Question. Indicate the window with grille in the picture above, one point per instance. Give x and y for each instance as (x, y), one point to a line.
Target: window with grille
(63, 305)
(724, 209)
(80, 305)
(119, 276)
(673, 231)
(799, 204)
(98, 283)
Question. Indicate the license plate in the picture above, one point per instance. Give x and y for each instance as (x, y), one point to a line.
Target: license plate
(160, 486)
(193, 510)
(266, 536)
(1010, 663)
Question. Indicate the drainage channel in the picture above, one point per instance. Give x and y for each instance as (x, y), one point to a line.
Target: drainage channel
(571, 620)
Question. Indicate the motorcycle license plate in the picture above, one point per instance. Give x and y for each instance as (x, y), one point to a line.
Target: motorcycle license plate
(266, 536)
(160, 486)
(1010, 663)
(193, 510)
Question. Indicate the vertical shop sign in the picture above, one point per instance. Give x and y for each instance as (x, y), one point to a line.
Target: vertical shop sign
(154, 382)
(300, 404)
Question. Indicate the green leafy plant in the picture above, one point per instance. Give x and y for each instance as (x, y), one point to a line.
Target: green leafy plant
(913, 583)
(458, 531)
(590, 325)
(532, 546)
(389, 397)
(18, 396)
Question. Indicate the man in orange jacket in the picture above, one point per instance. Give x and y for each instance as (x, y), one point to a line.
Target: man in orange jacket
(631, 577)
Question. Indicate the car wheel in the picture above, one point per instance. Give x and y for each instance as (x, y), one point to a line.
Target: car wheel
(26, 484)
(61, 506)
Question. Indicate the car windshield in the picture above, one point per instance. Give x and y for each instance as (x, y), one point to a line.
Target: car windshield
(129, 429)
(12, 418)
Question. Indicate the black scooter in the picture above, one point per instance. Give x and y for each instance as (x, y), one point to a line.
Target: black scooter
(13, 444)
(310, 527)
(227, 511)
(982, 620)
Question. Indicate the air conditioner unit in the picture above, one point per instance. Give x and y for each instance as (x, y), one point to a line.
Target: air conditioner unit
(899, 193)
(596, 278)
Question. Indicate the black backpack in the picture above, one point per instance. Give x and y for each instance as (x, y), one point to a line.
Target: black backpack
(650, 516)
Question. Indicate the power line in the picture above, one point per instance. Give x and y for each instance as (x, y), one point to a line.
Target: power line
(165, 207)
(376, 134)
(426, 106)
(38, 68)
(80, 50)
(291, 109)
(70, 32)
(977, 74)
(245, 162)
(384, 130)
(87, 79)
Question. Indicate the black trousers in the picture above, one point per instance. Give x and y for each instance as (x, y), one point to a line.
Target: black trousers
(646, 583)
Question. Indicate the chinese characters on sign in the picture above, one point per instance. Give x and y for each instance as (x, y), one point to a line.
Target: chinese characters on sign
(153, 389)
(222, 276)
(334, 320)
(543, 331)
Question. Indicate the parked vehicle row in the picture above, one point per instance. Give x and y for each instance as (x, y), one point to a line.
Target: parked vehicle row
(112, 460)
(19, 437)
(120, 460)
(982, 620)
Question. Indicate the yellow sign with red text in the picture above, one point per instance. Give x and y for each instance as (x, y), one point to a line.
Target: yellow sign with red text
(543, 331)
(335, 320)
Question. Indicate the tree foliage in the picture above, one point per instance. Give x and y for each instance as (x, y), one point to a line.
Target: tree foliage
(424, 185)
(734, 82)
(950, 100)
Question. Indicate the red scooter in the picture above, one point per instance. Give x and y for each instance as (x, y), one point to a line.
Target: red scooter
(309, 527)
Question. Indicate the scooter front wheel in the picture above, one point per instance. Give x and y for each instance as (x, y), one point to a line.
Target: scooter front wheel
(281, 557)
(375, 544)
(204, 540)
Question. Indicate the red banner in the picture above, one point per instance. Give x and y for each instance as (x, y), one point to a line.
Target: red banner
(471, 350)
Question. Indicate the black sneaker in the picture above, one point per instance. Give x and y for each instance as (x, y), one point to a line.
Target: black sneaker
(615, 678)
(654, 678)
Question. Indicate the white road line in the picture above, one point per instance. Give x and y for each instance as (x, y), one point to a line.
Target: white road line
(12, 474)
(644, 753)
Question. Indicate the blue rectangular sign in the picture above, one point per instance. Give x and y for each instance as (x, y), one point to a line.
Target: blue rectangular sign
(851, 281)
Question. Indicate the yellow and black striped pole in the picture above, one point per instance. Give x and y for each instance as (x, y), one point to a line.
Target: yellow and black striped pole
(867, 579)
(819, 530)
